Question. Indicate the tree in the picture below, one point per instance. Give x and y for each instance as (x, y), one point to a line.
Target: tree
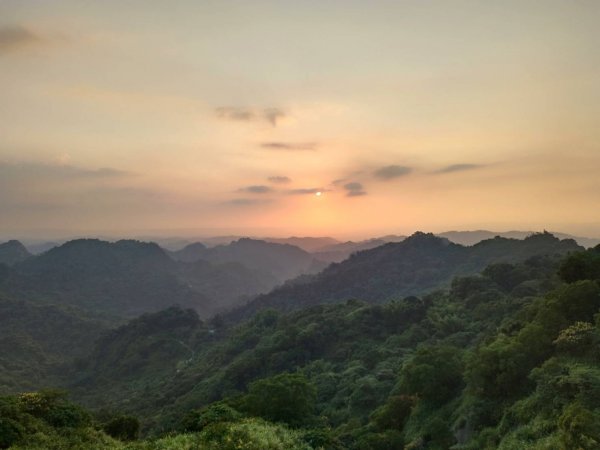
(433, 373)
(287, 397)
(124, 428)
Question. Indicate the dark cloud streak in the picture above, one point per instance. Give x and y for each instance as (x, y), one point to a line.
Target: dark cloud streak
(354, 189)
(290, 146)
(257, 189)
(58, 171)
(15, 37)
(306, 191)
(391, 172)
(248, 201)
(458, 168)
(279, 179)
(242, 114)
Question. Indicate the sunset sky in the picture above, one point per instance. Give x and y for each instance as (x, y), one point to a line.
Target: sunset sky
(215, 117)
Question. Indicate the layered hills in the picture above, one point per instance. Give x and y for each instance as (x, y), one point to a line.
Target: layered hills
(414, 266)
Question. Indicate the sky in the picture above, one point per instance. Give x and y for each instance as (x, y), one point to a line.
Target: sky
(229, 117)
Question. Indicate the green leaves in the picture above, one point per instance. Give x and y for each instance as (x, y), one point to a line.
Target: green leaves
(287, 397)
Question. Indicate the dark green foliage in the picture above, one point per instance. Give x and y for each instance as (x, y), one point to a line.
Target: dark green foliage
(124, 428)
(218, 412)
(36, 340)
(11, 432)
(433, 374)
(580, 427)
(394, 413)
(321, 438)
(46, 415)
(581, 266)
(287, 397)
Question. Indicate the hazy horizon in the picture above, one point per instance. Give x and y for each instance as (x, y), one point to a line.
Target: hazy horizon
(192, 236)
(298, 118)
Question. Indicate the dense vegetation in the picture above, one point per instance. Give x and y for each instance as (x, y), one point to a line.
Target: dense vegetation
(37, 342)
(415, 266)
(507, 358)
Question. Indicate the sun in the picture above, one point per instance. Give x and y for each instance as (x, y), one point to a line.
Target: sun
(318, 193)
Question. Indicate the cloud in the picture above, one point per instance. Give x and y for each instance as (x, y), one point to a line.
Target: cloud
(306, 191)
(248, 201)
(242, 114)
(257, 189)
(232, 113)
(56, 171)
(289, 146)
(391, 172)
(279, 179)
(354, 189)
(272, 115)
(15, 37)
(356, 193)
(459, 168)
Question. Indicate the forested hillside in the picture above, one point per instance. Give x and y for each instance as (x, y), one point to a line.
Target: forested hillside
(39, 342)
(502, 359)
(414, 266)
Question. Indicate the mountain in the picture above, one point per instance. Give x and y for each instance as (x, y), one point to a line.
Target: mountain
(123, 279)
(13, 252)
(279, 261)
(504, 358)
(420, 263)
(473, 237)
(127, 278)
(38, 341)
(190, 253)
(308, 244)
(151, 345)
(340, 251)
(473, 366)
(229, 284)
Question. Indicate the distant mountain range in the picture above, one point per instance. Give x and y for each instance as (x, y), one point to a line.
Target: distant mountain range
(281, 261)
(326, 249)
(127, 278)
(473, 237)
(416, 265)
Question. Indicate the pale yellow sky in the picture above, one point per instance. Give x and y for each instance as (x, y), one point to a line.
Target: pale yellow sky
(129, 117)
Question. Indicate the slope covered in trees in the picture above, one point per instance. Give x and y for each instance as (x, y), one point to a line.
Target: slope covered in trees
(38, 342)
(505, 359)
(414, 266)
